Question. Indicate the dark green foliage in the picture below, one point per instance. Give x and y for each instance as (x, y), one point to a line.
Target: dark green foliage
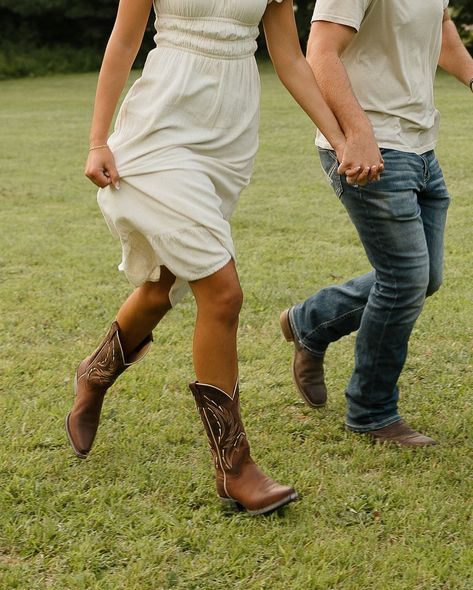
(303, 14)
(68, 8)
(462, 12)
(77, 22)
(17, 60)
(48, 36)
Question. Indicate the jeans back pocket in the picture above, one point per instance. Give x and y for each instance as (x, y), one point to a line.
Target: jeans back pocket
(330, 164)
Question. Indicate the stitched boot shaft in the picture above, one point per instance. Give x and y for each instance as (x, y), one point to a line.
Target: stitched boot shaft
(94, 375)
(238, 478)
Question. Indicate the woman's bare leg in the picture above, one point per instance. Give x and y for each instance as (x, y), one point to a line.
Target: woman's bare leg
(143, 310)
(219, 298)
(239, 480)
(136, 319)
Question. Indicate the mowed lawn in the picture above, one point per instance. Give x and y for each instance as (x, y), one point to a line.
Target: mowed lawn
(141, 513)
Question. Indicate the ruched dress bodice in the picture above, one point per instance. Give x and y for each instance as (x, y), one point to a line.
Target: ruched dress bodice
(223, 38)
(185, 141)
(230, 20)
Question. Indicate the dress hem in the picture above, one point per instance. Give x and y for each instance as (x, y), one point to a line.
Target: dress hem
(181, 285)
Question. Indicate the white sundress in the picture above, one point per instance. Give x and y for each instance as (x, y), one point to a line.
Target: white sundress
(185, 141)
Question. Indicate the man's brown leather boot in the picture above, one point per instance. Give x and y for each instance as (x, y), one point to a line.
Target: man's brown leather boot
(94, 375)
(307, 369)
(239, 480)
(399, 433)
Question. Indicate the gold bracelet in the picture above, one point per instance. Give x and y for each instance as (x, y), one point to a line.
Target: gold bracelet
(98, 147)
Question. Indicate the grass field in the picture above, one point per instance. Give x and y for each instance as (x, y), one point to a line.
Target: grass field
(141, 513)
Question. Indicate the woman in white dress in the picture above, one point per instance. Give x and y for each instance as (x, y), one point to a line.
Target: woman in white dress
(170, 176)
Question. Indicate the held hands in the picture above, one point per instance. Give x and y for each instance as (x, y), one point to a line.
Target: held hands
(100, 167)
(360, 160)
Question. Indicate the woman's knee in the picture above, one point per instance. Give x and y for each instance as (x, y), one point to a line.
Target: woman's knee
(228, 302)
(223, 303)
(220, 295)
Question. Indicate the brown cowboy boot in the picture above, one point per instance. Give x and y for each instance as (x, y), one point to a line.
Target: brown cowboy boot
(307, 369)
(93, 377)
(240, 482)
(399, 433)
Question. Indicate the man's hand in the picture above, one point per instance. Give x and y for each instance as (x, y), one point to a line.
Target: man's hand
(361, 150)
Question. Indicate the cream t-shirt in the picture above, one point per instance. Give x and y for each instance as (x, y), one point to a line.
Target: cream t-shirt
(391, 63)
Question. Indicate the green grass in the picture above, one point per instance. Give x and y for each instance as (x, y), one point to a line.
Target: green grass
(141, 513)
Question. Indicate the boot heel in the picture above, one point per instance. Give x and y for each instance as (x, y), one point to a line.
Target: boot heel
(286, 326)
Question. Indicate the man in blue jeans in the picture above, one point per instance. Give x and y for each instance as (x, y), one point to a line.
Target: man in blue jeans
(375, 61)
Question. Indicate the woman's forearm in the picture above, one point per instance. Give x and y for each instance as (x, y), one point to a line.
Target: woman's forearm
(299, 79)
(294, 71)
(120, 54)
(114, 73)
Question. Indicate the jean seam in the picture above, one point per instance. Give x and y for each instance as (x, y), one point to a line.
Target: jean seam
(297, 335)
(376, 234)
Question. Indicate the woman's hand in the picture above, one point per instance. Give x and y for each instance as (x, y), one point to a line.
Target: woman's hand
(362, 148)
(351, 171)
(100, 168)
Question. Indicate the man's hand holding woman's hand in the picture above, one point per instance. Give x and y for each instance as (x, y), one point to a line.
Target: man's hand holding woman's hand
(100, 167)
(360, 160)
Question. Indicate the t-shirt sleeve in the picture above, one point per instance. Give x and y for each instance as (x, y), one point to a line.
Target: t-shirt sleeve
(342, 12)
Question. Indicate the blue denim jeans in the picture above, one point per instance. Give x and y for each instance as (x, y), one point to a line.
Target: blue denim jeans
(401, 221)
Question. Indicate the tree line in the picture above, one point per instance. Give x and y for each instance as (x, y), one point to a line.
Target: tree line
(71, 34)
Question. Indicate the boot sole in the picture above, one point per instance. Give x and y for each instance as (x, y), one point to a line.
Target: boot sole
(237, 507)
(289, 337)
(68, 432)
(71, 442)
(399, 443)
(404, 444)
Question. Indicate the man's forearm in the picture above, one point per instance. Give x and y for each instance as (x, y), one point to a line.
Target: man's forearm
(454, 58)
(327, 42)
(335, 86)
